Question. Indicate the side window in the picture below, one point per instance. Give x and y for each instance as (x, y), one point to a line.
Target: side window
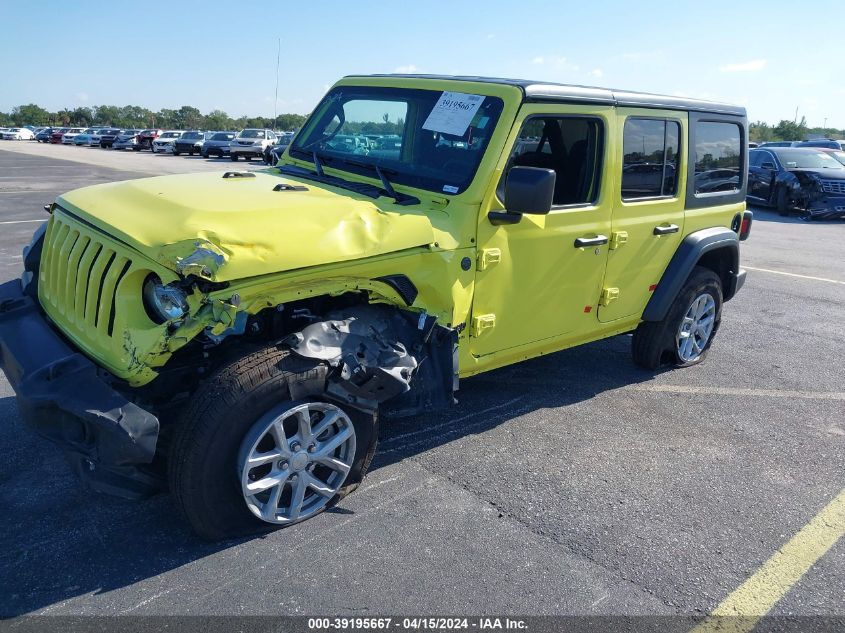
(571, 146)
(651, 151)
(718, 157)
(755, 159)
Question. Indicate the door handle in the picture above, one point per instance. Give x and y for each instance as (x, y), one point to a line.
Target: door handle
(598, 240)
(665, 230)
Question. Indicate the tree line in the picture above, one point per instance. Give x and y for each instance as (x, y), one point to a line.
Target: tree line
(190, 118)
(761, 132)
(185, 118)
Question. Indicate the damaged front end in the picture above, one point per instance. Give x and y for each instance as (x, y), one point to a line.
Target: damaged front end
(400, 362)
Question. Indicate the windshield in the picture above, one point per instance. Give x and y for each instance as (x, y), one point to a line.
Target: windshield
(192, 135)
(222, 136)
(251, 134)
(171, 135)
(808, 159)
(839, 156)
(422, 138)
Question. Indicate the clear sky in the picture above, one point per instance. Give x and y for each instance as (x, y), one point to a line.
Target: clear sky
(772, 56)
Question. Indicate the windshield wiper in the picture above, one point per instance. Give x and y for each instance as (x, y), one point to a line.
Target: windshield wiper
(318, 166)
(400, 198)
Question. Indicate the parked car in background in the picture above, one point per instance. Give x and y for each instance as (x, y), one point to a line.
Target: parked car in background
(838, 154)
(127, 139)
(72, 133)
(97, 136)
(58, 133)
(108, 136)
(18, 134)
(797, 179)
(44, 135)
(272, 152)
(164, 143)
(828, 143)
(251, 143)
(189, 143)
(778, 144)
(217, 144)
(146, 138)
(85, 137)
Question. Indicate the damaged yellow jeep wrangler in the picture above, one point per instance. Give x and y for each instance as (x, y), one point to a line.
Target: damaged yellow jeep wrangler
(235, 336)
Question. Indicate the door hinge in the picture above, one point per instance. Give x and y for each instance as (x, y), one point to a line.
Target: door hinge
(608, 295)
(617, 239)
(488, 257)
(483, 322)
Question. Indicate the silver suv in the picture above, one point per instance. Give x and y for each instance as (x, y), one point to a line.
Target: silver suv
(251, 143)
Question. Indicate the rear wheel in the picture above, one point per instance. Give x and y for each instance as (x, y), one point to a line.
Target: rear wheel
(246, 456)
(233, 157)
(684, 336)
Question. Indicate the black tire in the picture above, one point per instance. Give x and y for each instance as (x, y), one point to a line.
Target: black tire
(175, 153)
(233, 157)
(202, 459)
(204, 154)
(782, 201)
(654, 344)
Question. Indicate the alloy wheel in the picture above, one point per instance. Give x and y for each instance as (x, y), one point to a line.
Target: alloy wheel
(295, 459)
(696, 327)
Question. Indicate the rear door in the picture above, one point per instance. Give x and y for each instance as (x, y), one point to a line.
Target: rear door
(648, 208)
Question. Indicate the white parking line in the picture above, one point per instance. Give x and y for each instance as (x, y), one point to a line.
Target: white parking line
(780, 272)
(733, 391)
(23, 221)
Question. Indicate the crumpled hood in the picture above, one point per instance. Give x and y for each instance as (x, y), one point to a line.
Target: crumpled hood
(232, 228)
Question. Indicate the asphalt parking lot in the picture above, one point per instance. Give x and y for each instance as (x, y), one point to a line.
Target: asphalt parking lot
(571, 484)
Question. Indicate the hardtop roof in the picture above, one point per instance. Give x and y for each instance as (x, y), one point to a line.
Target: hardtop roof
(547, 91)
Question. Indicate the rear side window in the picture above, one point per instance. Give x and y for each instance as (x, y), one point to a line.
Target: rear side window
(651, 151)
(718, 157)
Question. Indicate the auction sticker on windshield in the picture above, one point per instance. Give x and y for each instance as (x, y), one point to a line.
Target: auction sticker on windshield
(453, 113)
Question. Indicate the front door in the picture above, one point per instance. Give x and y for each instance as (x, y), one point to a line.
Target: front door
(540, 279)
(648, 213)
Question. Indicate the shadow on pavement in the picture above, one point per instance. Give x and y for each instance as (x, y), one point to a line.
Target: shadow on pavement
(58, 541)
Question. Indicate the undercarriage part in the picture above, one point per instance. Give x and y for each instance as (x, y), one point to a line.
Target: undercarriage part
(400, 362)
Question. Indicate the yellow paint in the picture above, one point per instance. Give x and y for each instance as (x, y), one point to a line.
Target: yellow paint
(524, 295)
(743, 608)
(255, 229)
(642, 258)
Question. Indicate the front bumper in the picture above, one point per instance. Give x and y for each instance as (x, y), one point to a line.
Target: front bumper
(216, 149)
(163, 149)
(107, 439)
(826, 208)
(246, 150)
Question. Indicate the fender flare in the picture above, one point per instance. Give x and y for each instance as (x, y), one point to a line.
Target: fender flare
(689, 253)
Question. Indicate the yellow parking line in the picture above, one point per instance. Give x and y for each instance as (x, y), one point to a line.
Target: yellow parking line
(780, 272)
(742, 609)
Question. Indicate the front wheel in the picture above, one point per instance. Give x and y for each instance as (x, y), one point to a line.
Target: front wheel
(253, 452)
(233, 157)
(782, 201)
(685, 335)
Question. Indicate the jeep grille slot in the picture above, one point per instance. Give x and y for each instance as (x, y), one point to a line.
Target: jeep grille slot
(80, 275)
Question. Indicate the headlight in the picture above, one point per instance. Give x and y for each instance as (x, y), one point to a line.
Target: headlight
(164, 303)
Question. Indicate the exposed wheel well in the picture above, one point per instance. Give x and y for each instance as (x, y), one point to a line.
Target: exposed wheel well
(720, 262)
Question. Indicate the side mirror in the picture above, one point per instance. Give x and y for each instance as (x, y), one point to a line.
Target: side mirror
(527, 190)
(768, 165)
(530, 190)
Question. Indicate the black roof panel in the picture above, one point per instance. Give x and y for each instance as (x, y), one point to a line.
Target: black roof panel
(546, 91)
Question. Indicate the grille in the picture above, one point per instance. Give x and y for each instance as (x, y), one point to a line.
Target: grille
(79, 277)
(833, 186)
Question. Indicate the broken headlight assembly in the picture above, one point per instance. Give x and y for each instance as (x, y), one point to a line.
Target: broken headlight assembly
(164, 302)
